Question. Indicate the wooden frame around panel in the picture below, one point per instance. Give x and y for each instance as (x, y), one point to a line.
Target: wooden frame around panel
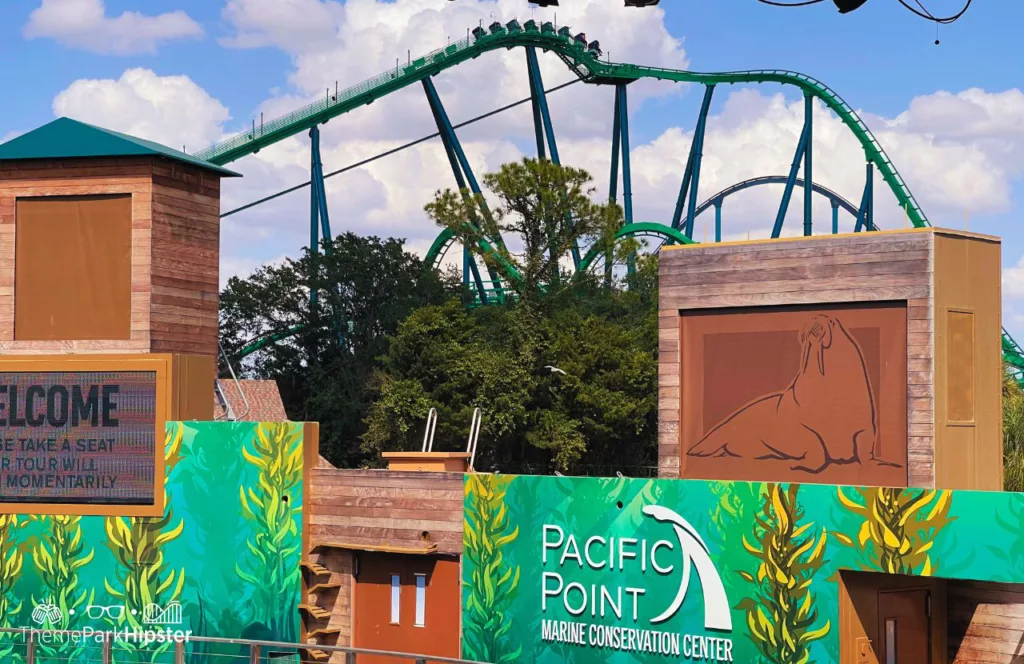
(137, 183)
(161, 365)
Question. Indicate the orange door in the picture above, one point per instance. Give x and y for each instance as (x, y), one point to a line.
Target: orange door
(407, 603)
(904, 627)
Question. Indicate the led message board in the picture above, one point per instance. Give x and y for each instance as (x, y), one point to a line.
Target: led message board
(78, 437)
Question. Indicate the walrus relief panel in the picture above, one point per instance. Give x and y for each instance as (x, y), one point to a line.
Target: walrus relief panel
(803, 394)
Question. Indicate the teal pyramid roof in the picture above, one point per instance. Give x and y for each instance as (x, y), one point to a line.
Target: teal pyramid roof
(65, 138)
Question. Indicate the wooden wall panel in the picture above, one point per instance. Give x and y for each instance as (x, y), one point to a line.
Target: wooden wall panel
(935, 271)
(818, 270)
(175, 249)
(377, 507)
(185, 260)
(968, 410)
(986, 623)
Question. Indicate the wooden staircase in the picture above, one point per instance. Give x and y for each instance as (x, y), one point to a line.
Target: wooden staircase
(316, 616)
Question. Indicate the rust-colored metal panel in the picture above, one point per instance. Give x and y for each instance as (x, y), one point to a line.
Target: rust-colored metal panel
(803, 394)
(73, 268)
(381, 626)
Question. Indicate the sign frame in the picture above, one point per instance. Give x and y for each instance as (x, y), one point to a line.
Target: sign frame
(161, 365)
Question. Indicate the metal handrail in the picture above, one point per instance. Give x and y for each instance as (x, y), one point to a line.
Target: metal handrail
(108, 638)
(428, 432)
(474, 436)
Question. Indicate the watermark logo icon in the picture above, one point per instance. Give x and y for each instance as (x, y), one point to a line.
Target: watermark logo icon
(154, 614)
(46, 611)
(96, 611)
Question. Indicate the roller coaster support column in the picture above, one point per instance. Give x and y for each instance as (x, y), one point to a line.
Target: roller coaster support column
(691, 174)
(808, 179)
(613, 182)
(866, 215)
(801, 148)
(542, 124)
(835, 217)
(460, 165)
(319, 222)
(620, 140)
(718, 219)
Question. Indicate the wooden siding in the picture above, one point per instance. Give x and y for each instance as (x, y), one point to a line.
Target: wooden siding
(175, 249)
(986, 623)
(184, 288)
(931, 269)
(968, 445)
(379, 507)
(819, 270)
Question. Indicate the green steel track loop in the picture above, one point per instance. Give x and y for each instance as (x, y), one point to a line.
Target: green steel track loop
(582, 63)
(588, 68)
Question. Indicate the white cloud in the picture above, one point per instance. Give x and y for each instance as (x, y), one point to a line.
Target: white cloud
(172, 110)
(83, 24)
(1013, 280)
(954, 150)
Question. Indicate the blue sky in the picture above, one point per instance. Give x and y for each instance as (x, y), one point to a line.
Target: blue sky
(190, 72)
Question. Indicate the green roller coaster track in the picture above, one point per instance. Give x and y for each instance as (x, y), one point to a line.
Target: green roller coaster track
(587, 66)
(582, 63)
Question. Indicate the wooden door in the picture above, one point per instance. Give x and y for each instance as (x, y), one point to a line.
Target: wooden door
(904, 627)
(407, 603)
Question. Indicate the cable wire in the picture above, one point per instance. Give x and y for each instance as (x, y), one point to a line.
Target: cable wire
(924, 13)
(790, 4)
(394, 150)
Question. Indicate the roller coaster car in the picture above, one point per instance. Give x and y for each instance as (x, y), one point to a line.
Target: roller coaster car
(530, 26)
(496, 28)
(548, 28)
(595, 48)
(564, 32)
(479, 32)
(513, 26)
(581, 38)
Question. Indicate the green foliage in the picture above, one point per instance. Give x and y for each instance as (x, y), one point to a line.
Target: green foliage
(273, 509)
(142, 576)
(547, 206)
(1013, 435)
(898, 527)
(493, 582)
(599, 415)
(780, 610)
(58, 556)
(366, 285)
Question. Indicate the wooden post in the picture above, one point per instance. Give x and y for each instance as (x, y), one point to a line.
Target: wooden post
(254, 654)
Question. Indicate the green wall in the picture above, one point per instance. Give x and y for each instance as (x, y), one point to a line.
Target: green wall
(775, 547)
(227, 549)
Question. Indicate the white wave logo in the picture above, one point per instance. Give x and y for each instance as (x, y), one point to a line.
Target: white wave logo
(695, 554)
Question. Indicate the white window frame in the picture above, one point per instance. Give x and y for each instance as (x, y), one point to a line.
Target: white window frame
(396, 599)
(421, 600)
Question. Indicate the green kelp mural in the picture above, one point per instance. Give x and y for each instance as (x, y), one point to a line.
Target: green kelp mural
(594, 570)
(214, 564)
(273, 510)
(781, 614)
(494, 580)
(12, 558)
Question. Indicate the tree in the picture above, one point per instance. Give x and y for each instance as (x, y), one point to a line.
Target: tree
(545, 205)
(366, 287)
(1013, 435)
(565, 375)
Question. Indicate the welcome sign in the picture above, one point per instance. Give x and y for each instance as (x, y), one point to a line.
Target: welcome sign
(589, 570)
(86, 437)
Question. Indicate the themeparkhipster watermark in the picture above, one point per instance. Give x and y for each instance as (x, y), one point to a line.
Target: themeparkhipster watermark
(143, 636)
(159, 625)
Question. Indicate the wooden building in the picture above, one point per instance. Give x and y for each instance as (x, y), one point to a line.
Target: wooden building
(870, 359)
